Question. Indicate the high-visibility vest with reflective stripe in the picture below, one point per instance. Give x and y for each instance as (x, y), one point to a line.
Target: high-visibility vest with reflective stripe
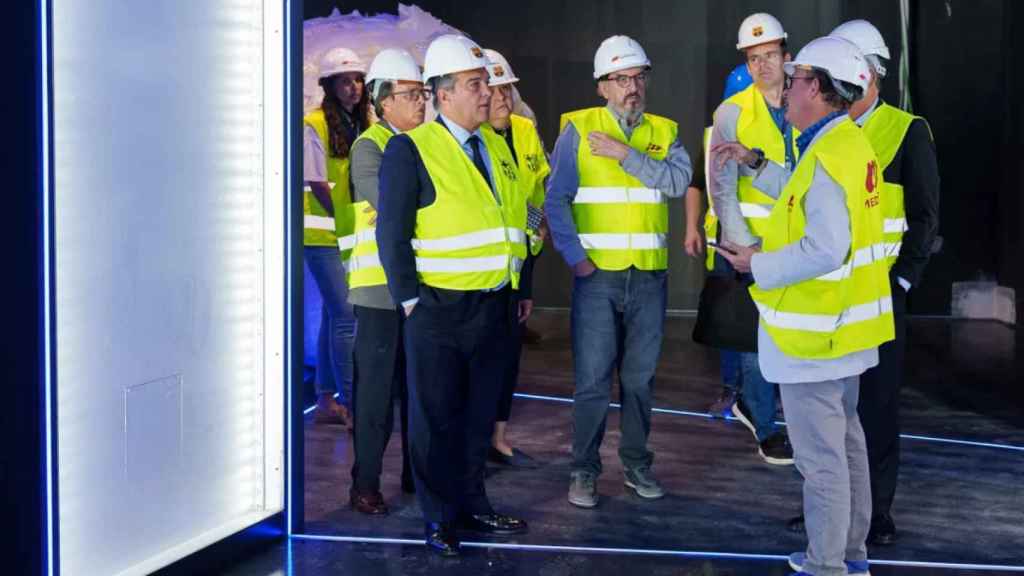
(755, 128)
(620, 221)
(885, 130)
(363, 264)
(466, 240)
(849, 309)
(320, 229)
(533, 167)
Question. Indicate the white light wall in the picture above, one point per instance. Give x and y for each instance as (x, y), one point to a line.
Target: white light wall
(169, 243)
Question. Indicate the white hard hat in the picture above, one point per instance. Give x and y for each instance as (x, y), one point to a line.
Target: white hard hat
(759, 28)
(867, 38)
(839, 58)
(394, 64)
(339, 61)
(452, 53)
(500, 72)
(618, 53)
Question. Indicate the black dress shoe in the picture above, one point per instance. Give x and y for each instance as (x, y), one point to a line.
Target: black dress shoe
(796, 524)
(441, 538)
(518, 459)
(493, 523)
(882, 532)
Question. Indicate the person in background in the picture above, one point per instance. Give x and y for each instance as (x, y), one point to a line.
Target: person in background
(910, 206)
(756, 118)
(521, 136)
(327, 140)
(399, 100)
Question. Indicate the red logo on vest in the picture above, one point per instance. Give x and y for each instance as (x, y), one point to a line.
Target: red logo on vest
(872, 181)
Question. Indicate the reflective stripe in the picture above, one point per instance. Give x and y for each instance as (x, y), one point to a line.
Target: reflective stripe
(623, 241)
(861, 257)
(310, 221)
(349, 242)
(893, 225)
(308, 188)
(825, 322)
(892, 249)
(363, 262)
(471, 240)
(751, 210)
(485, 264)
(617, 195)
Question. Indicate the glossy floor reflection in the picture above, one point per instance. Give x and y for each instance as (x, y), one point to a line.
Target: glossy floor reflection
(956, 503)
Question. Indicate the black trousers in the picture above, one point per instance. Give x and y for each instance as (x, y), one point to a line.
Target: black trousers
(380, 381)
(879, 409)
(456, 348)
(511, 373)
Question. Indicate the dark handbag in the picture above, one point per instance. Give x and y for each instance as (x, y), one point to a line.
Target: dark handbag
(726, 315)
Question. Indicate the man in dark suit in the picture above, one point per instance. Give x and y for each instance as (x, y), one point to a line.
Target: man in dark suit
(452, 241)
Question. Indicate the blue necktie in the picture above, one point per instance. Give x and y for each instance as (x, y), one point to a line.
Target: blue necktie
(478, 160)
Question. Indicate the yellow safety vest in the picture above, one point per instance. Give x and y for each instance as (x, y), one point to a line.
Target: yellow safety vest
(620, 221)
(533, 167)
(363, 265)
(319, 229)
(885, 130)
(755, 128)
(850, 308)
(466, 240)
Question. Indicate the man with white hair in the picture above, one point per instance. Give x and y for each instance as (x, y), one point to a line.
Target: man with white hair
(822, 291)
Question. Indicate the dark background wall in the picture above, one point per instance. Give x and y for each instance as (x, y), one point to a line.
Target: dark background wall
(961, 58)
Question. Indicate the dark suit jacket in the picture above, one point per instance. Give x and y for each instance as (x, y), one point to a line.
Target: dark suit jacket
(915, 167)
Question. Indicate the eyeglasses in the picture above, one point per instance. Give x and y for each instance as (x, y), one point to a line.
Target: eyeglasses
(414, 95)
(624, 81)
(789, 80)
(767, 58)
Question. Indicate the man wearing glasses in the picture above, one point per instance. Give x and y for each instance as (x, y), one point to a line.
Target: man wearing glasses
(399, 100)
(613, 169)
(756, 118)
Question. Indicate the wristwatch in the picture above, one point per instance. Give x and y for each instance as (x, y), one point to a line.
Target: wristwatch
(758, 162)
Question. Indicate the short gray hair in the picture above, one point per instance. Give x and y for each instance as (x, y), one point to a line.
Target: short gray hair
(438, 83)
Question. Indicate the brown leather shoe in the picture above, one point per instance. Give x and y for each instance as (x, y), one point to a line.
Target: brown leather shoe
(333, 413)
(370, 503)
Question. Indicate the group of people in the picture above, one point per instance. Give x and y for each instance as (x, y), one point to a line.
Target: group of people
(821, 194)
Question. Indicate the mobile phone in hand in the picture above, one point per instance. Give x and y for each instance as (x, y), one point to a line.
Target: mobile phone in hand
(717, 246)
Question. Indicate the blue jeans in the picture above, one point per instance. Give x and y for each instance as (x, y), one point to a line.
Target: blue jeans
(617, 324)
(759, 395)
(337, 324)
(730, 365)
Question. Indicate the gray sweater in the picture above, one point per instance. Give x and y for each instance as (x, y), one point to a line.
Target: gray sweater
(365, 170)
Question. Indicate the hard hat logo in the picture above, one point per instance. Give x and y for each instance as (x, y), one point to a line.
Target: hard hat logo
(498, 71)
(758, 31)
(476, 52)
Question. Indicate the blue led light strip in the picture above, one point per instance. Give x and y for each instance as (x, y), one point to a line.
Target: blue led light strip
(651, 552)
(289, 289)
(47, 293)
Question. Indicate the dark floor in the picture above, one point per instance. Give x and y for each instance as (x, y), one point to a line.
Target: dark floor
(957, 503)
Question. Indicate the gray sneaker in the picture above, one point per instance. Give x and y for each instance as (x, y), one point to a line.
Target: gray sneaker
(583, 490)
(643, 482)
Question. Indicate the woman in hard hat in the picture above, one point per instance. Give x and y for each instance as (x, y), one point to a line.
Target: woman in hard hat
(399, 99)
(822, 290)
(330, 131)
(523, 141)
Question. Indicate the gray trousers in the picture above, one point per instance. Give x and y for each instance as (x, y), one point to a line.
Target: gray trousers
(830, 453)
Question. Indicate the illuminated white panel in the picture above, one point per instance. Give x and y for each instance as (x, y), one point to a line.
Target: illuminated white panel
(169, 251)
